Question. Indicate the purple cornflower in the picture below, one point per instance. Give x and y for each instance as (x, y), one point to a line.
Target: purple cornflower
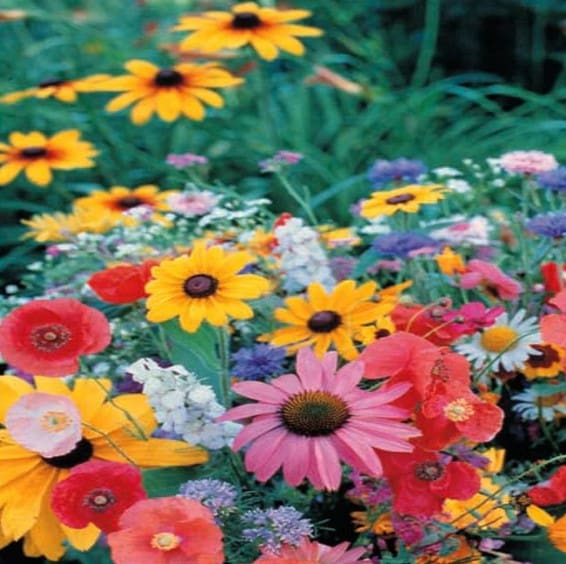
(272, 527)
(552, 225)
(403, 245)
(258, 362)
(217, 495)
(342, 267)
(553, 179)
(370, 491)
(398, 170)
(128, 385)
(185, 160)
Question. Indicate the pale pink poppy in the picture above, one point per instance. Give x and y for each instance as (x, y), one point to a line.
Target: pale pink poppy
(44, 423)
(553, 326)
(490, 278)
(309, 422)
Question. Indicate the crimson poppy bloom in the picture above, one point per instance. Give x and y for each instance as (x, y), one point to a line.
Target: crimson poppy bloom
(551, 493)
(553, 326)
(97, 492)
(421, 482)
(47, 336)
(122, 284)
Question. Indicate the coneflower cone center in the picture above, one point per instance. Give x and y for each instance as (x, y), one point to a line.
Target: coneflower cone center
(429, 471)
(400, 199)
(99, 499)
(168, 77)
(200, 286)
(324, 321)
(314, 413)
(33, 152)
(50, 338)
(499, 339)
(128, 202)
(81, 453)
(246, 20)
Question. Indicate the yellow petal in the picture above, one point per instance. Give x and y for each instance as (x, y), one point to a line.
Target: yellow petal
(39, 172)
(82, 539)
(168, 104)
(143, 111)
(9, 171)
(539, 516)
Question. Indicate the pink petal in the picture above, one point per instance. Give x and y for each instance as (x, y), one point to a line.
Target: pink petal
(264, 448)
(255, 430)
(275, 460)
(347, 378)
(383, 412)
(296, 466)
(260, 391)
(247, 410)
(329, 363)
(358, 455)
(327, 463)
(386, 394)
(384, 428)
(559, 301)
(309, 369)
(288, 383)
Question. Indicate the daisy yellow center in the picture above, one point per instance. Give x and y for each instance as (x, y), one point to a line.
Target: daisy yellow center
(314, 413)
(33, 152)
(50, 338)
(246, 20)
(428, 471)
(459, 410)
(129, 202)
(324, 321)
(165, 541)
(81, 453)
(200, 286)
(54, 421)
(400, 199)
(168, 77)
(51, 82)
(498, 339)
(99, 499)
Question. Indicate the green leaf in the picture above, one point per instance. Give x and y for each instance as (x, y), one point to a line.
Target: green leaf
(164, 482)
(367, 259)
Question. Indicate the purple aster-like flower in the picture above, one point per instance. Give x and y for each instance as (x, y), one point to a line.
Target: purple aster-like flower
(273, 527)
(342, 267)
(217, 495)
(402, 245)
(552, 225)
(399, 170)
(258, 362)
(553, 179)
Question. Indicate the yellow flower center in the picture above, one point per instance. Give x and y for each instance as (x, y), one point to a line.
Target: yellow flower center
(314, 413)
(165, 541)
(498, 339)
(459, 410)
(54, 421)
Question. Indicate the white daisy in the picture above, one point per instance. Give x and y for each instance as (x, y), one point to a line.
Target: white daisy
(507, 343)
(532, 405)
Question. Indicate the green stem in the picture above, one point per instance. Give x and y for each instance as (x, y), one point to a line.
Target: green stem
(297, 197)
(224, 354)
(428, 47)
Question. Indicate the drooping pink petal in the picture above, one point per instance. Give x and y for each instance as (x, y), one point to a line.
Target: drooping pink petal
(309, 369)
(288, 383)
(347, 378)
(358, 456)
(259, 391)
(329, 363)
(255, 430)
(327, 463)
(247, 410)
(296, 467)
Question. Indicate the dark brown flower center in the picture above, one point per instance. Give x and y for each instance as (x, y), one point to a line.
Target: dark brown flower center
(81, 453)
(246, 20)
(129, 202)
(168, 77)
(382, 333)
(314, 413)
(200, 286)
(549, 355)
(51, 82)
(324, 321)
(99, 499)
(429, 471)
(400, 199)
(50, 338)
(33, 152)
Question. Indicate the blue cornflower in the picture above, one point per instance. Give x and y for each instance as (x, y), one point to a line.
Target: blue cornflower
(258, 362)
(217, 495)
(551, 225)
(400, 245)
(399, 170)
(553, 179)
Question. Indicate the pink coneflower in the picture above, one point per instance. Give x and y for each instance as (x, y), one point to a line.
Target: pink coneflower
(192, 204)
(309, 422)
(528, 162)
(494, 281)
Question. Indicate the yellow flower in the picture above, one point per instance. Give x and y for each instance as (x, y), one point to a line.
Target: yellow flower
(407, 199)
(449, 262)
(171, 92)
(62, 90)
(37, 154)
(556, 528)
(109, 433)
(267, 30)
(205, 286)
(463, 553)
(341, 237)
(364, 521)
(325, 319)
(547, 364)
(383, 327)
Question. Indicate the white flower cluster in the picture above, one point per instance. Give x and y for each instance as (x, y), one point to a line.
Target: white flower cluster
(303, 259)
(183, 405)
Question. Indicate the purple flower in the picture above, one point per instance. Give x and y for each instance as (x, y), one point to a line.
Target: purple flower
(403, 245)
(552, 225)
(258, 362)
(217, 495)
(280, 160)
(128, 385)
(399, 170)
(186, 160)
(553, 179)
(342, 267)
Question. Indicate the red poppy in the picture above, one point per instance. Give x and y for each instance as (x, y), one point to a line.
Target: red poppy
(554, 276)
(167, 530)
(47, 336)
(421, 482)
(553, 326)
(551, 493)
(122, 284)
(97, 492)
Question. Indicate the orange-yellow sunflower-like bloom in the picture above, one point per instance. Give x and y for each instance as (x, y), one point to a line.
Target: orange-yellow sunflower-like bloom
(37, 155)
(116, 429)
(325, 319)
(267, 30)
(407, 199)
(181, 90)
(205, 286)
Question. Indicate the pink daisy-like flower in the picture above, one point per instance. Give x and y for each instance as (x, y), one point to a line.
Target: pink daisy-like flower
(192, 204)
(312, 552)
(309, 422)
(528, 162)
(493, 280)
(44, 423)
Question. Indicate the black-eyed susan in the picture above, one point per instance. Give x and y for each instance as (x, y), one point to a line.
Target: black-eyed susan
(267, 30)
(205, 286)
(115, 430)
(407, 199)
(60, 89)
(326, 319)
(181, 90)
(37, 155)
(546, 363)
